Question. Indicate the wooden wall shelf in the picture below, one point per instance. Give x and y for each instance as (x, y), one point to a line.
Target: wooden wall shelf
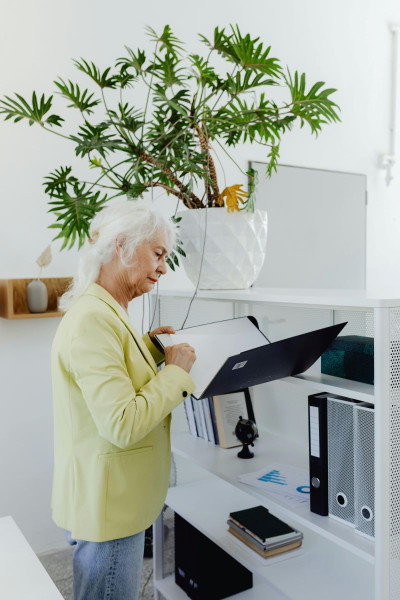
(13, 303)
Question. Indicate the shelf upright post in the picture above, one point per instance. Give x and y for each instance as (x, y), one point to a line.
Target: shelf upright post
(158, 552)
(382, 374)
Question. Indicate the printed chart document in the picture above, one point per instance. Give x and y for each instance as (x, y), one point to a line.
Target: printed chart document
(288, 483)
(214, 343)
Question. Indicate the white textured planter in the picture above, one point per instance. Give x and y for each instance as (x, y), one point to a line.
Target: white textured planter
(234, 247)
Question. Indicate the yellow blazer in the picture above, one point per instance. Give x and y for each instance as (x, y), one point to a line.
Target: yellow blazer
(112, 413)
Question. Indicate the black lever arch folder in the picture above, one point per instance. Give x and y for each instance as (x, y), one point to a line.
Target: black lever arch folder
(318, 450)
(234, 354)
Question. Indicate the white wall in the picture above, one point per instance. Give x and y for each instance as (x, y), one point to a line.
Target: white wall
(345, 43)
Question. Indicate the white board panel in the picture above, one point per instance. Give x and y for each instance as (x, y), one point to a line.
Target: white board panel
(316, 228)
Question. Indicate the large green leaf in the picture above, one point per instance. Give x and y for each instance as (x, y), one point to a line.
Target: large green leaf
(134, 61)
(222, 44)
(244, 81)
(35, 113)
(74, 211)
(127, 117)
(252, 55)
(56, 183)
(103, 80)
(167, 40)
(169, 71)
(93, 138)
(178, 103)
(314, 106)
(83, 101)
(204, 72)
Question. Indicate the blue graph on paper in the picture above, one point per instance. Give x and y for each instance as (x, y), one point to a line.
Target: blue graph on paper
(274, 476)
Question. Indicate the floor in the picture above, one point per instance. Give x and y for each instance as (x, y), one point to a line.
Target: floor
(59, 565)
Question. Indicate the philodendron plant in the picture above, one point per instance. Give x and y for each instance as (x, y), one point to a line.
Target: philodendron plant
(192, 110)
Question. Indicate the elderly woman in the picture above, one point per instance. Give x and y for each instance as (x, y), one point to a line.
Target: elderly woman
(112, 407)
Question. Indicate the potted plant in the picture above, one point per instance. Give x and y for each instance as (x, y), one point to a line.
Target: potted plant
(192, 111)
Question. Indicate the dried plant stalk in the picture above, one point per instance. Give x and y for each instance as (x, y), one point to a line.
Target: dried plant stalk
(44, 259)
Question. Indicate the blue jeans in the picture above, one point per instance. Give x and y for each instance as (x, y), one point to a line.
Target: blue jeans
(107, 570)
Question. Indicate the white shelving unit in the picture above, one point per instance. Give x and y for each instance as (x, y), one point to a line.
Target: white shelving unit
(335, 385)
(334, 561)
(204, 503)
(225, 465)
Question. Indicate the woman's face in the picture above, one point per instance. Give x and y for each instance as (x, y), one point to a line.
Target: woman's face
(149, 265)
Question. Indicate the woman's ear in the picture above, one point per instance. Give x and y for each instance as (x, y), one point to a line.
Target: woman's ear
(119, 242)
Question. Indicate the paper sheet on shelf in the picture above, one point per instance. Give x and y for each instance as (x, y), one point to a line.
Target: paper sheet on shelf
(291, 500)
(286, 483)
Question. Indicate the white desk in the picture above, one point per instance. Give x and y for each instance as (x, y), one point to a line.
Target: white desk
(22, 576)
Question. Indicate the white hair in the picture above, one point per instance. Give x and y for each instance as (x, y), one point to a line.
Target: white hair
(133, 222)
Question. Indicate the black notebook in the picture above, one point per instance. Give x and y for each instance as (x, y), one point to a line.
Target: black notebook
(262, 524)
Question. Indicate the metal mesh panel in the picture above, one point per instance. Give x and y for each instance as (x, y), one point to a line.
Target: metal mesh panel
(279, 322)
(359, 322)
(172, 311)
(394, 453)
(364, 469)
(169, 542)
(341, 460)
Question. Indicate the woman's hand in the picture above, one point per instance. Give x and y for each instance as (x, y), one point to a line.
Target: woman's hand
(164, 329)
(182, 355)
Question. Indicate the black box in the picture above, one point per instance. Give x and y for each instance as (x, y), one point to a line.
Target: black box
(202, 569)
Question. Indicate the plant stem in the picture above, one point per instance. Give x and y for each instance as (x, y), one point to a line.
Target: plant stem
(193, 198)
(227, 153)
(220, 163)
(105, 172)
(91, 183)
(173, 191)
(109, 116)
(148, 91)
(66, 137)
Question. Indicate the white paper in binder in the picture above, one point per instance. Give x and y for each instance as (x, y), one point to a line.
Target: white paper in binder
(214, 343)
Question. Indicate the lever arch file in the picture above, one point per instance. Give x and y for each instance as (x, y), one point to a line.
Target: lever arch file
(234, 354)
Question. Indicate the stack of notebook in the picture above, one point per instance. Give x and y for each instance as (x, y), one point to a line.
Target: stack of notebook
(263, 532)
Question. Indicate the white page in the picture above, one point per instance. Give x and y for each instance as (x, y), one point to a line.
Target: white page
(214, 343)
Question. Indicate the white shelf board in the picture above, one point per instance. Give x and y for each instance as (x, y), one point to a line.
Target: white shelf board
(260, 590)
(335, 385)
(318, 570)
(271, 449)
(323, 298)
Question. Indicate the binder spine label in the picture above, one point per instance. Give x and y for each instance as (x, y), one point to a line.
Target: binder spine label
(314, 432)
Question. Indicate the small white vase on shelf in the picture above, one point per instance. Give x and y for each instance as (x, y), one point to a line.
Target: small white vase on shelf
(37, 296)
(234, 248)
